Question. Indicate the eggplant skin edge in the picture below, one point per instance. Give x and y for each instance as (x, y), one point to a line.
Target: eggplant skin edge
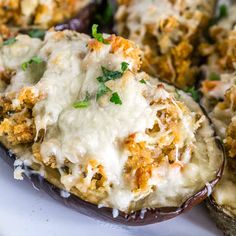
(151, 216)
(223, 221)
(83, 20)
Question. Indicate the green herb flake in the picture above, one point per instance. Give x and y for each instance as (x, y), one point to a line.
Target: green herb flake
(97, 35)
(105, 17)
(214, 77)
(37, 33)
(84, 103)
(9, 41)
(102, 90)
(107, 76)
(35, 59)
(115, 98)
(108, 13)
(142, 81)
(124, 66)
(194, 93)
(223, 11)
(110, 75)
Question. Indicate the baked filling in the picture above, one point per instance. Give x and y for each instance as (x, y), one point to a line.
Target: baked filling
(167, 33)
(77, 111)
(222, 113)
(219, 99)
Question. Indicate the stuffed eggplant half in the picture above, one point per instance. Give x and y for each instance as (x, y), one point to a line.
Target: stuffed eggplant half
(222, 203)
(219, 98)
(102, 137)
(167, 34)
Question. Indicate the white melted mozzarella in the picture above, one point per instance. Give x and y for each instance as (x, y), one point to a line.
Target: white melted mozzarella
(61, 80)
(78, 139)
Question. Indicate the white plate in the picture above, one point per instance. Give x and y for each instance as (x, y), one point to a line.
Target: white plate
(25, 211)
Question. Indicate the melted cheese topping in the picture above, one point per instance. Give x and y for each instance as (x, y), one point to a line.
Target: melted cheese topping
(149, 151)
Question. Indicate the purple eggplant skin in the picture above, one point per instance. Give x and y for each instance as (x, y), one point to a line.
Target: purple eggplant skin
(82, 21)
(88, 16)
(223, 221)
(138, 218)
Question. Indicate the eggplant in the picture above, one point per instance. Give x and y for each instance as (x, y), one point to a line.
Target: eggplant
(208, 160)
(99, 12)
(137, 218)
(51, 186)
(83, 21)
(218, 100)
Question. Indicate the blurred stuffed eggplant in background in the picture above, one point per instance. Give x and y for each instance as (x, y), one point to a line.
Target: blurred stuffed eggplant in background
(219, 99)
(167, 32)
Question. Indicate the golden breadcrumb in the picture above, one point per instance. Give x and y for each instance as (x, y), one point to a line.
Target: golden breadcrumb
(143, 159)
(119, 45)
(18, 124)
(5, 33)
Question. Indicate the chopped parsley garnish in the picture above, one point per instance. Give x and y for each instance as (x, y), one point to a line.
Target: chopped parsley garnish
(105, 17)
(112, 75)
(107, 76)
(223, 11)
(9, 41)
(124, 66)
(35, 59)
(37, 33)
(194, 93)
(142, 81)
(102, 90)
(214, 76)
(97, 35)
(115, 98)
(84, 103)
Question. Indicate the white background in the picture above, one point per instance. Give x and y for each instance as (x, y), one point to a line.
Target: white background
(25, 211)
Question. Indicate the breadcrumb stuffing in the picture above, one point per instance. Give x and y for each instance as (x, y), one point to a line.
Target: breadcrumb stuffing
(166, 33)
